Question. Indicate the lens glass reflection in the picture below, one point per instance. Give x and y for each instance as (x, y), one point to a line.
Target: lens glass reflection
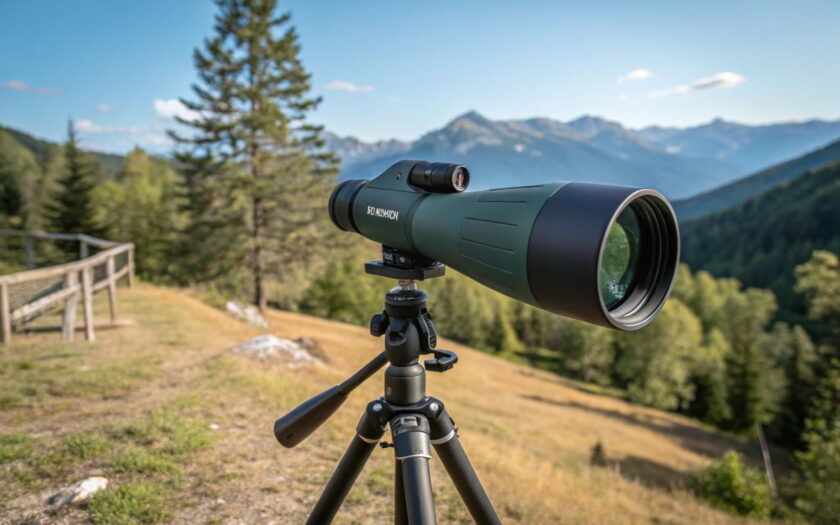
(620, 258)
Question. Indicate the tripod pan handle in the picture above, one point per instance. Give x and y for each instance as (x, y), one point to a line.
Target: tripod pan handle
(296, 426)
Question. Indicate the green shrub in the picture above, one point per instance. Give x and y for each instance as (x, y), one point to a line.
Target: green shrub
(15, 446)
(143, 461)
(734, 487)
(598, 457)
(83, 445)
(7, 268)
(131, 504)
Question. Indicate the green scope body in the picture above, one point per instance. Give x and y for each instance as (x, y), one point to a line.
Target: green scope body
(599, 253)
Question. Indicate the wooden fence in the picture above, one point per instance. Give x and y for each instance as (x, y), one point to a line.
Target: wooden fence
(26, 295)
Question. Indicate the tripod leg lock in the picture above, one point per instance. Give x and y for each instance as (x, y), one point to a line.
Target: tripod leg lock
(442, 425)
(370, 427)
(411, 436)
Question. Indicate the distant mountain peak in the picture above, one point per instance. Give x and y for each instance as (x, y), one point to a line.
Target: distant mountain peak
(471, 117)
(595, 119)
(721, 123)
(466, 131)
(590, 125)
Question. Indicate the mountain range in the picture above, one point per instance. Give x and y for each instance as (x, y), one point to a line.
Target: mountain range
(743, 189)
(703, 169)
(762, 239)
(109, 163)
(680, 162)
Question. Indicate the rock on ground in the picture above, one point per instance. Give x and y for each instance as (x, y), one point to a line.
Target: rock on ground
(250, 314)
(77, 492)
(299, 352)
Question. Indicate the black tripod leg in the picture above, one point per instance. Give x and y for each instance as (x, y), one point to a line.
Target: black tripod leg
(354, 459)
(420, 503)
(411, 446)
(400, 512)
(463, 475)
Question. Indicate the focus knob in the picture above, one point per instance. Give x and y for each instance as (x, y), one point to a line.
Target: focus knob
(378, 324)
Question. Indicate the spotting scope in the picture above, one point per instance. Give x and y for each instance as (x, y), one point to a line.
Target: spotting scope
(599, 253)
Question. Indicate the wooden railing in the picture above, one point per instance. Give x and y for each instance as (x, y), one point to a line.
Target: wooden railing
(26, 295)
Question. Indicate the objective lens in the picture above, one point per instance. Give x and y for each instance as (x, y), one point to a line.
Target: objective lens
(620, 258)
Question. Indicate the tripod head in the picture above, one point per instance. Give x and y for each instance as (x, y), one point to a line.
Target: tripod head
(409, 332)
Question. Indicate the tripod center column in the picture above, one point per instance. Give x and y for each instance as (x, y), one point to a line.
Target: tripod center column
(405, 378)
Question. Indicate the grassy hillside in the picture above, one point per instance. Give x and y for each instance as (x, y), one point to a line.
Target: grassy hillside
(761, 241)
(137, 406)
(40, 148)
(742, 190)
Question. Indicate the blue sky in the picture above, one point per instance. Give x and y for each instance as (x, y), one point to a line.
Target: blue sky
(397, 69)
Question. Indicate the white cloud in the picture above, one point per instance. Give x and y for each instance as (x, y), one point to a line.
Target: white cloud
(156, 139)
(719, 80)
(726, 79)
(136, 134)
(104, 108)
(678, 90)
(636, 74)
(343, 85)
(87, 126)
(171, 108)
(394, 98)
(17, 85)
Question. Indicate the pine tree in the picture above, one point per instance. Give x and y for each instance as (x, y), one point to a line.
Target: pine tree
(747, 368)
(819, 495)
(656, 362)
(502, 337)
(141, 206)
(791, 381)
(587, 351)
(13, 160)
(255, 170)
(72, 210)
(819, 280)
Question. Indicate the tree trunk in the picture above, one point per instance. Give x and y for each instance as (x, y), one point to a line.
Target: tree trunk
(768, 464)
(257, 213)
(259, 286)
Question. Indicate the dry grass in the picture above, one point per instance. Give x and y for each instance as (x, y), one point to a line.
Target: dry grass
(136, 407)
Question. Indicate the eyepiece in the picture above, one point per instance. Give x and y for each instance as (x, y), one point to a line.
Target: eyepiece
(439, 177)
(341, 204)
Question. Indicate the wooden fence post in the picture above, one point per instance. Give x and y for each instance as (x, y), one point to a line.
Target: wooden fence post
(5, 315)
(131, 267)
(68, 326)
(30, 252)
(112, 289)
(83, 250)
(87, 292)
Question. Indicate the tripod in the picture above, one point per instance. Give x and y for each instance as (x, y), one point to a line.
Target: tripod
(417, 422)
